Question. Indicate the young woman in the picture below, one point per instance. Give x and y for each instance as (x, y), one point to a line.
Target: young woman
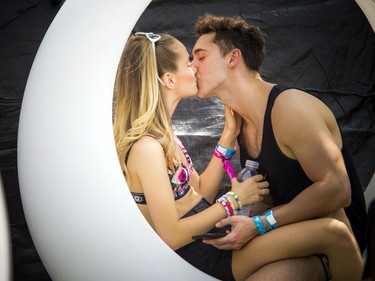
(153, 76)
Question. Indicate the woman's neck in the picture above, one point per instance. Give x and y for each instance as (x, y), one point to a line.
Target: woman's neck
(170, 103)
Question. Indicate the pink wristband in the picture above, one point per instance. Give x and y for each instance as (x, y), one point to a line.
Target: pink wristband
(228, 167)
(226, 164)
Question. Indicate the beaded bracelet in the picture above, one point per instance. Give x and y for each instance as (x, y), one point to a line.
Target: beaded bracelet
(226, 151)
(234, 195)
(234, 210)
(271, 220)
(226, 164)
(226, 206)
(259, 225)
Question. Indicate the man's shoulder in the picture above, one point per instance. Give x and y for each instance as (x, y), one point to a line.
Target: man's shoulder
(296, 112)
(292, 101)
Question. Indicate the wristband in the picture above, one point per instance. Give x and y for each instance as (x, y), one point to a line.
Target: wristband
(271, 220)
(228, 167)
(219, 155)
(259, 225)
(226, 164)
(226, 206)
(234, 195)
(226, 151)
(234, 210)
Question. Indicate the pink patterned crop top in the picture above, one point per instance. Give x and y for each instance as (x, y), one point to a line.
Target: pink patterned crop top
(179, 175)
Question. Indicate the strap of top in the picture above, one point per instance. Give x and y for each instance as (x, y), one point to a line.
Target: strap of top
(127, 155)
(276, 90)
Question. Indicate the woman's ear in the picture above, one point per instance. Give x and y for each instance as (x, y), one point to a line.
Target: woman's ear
(169, 80)
(234, 57)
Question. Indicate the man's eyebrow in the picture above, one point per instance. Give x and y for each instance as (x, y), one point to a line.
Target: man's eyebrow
(199, 50)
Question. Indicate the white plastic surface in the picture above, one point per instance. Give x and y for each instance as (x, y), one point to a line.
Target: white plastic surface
(368, 8)
(83, 221)
(5, 243)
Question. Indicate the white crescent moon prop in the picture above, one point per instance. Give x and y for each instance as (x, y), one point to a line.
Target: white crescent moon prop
(83, 221)
(5, 242)
(368, 8)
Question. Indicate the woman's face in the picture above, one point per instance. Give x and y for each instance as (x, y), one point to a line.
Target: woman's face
(186, 83)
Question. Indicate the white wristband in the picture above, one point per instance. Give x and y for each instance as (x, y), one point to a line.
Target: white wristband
(271, 220)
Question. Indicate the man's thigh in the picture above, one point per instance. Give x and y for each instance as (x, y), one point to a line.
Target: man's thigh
(296, 269)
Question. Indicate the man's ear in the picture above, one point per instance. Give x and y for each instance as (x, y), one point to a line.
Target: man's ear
(235, 56)
(169, 80)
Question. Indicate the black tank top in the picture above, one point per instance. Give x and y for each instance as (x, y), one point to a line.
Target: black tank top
(287, 178)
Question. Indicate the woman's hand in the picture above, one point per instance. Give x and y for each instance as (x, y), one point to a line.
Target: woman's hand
(232, 121)
(231, 129)
(251, 190)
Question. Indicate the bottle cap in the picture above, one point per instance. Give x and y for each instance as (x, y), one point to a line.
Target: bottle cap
(252, 164)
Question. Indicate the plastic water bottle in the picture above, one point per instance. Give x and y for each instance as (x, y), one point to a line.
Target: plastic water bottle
(251, 169)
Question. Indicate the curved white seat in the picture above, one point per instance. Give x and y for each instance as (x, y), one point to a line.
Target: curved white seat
(83, 221)
(5, 244)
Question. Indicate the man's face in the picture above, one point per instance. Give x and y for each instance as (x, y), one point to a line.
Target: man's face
(211, 66)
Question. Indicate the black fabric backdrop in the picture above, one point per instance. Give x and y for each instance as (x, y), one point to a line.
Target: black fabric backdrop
(325, 47)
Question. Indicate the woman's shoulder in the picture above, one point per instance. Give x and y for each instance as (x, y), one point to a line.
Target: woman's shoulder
(147, 144)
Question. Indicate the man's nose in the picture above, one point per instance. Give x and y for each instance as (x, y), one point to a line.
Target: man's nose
(194, 68)
(194, 64)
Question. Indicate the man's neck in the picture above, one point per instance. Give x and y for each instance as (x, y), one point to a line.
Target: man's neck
(247, 95)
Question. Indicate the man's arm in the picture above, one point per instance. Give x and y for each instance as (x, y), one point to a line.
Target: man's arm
(307, 131)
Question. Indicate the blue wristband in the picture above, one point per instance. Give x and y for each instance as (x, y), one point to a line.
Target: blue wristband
(271, 220)
(226, 152)
(259, 225)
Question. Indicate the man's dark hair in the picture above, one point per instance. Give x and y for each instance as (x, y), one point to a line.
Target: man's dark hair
(231, 33)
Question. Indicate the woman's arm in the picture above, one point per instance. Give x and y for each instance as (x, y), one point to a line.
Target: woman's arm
(147, 163)
(211, 179)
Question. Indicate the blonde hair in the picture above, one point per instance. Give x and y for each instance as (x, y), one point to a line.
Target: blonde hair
(139, 108)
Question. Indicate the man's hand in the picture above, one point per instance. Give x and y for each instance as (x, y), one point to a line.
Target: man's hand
(243, 230)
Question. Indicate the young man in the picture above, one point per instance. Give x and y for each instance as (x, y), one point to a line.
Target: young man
(293, 135)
